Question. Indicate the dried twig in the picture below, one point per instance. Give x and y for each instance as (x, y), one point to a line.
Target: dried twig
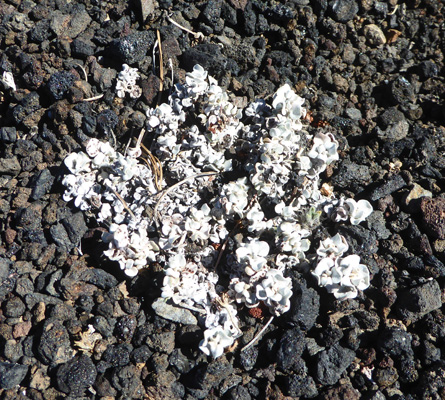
(156, 167)
(173, 187)
(124, 203)
(258, 335)
(99, 96)
(197, 35)
(83, 69)
(161, 68)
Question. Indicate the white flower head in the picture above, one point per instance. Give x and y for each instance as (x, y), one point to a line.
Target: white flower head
(333, 247)
(342, 277)
(358, 210)
(253, 254)
(197, 80)
(8, 80)
(215, 341)
(78, 162)
(289, 104)
(275, 290)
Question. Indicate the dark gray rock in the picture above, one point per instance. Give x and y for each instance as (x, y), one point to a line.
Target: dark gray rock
(142, 354)
(350, 173)
(40, 32)
(377, 222)
(207, 376)
(12, 375)
(42, 184)
(100, 278)
(395, 343)
(209, 56)
(389, 186)
(77, 375)
(249, 19)
(60, 236)
(132, 49)
(414, 303)
(32, 299)
(9, 166)
(82, 48)
(249, 357)
(391, 116)
(331, 364)
(163, 342)
(297, 385)
(72, 24)
(239, 393)
(128, 382)
(8, 134)
(54, 346)
(75, 227)
(305, 305)
(29, 218)
(7, 283)
(343, 10)
(429, 353)
(14, 307)
(428, 69)
(212, 14)
(402, 91)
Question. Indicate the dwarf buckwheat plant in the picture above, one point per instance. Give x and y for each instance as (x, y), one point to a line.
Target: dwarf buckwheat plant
(253, 172)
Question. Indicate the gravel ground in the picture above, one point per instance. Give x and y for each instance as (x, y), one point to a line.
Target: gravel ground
(372, 73)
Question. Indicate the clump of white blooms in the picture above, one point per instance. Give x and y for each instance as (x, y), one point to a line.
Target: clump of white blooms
(126, 82)
(255, 169)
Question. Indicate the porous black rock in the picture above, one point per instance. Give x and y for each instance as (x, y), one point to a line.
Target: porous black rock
(305, 305)
(390, 186)
(331, 363)
(413, 303)
(59, 83)
(210, 57)
(132, 49)
(396, 343)
(106, 121)
(76, 375)
(290, 349)
(117, 355)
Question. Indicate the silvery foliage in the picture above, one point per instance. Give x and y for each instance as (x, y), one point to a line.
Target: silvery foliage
(278, 163)
(126, 82)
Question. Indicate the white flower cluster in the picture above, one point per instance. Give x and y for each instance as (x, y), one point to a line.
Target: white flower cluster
(259, 281)
(202, 139)
(126, 82)
(116, 188)
(341, 276)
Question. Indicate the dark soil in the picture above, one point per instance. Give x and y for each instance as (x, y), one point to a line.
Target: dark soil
(372, 72)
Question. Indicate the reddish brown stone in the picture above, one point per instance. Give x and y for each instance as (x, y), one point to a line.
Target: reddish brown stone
(433, 212)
